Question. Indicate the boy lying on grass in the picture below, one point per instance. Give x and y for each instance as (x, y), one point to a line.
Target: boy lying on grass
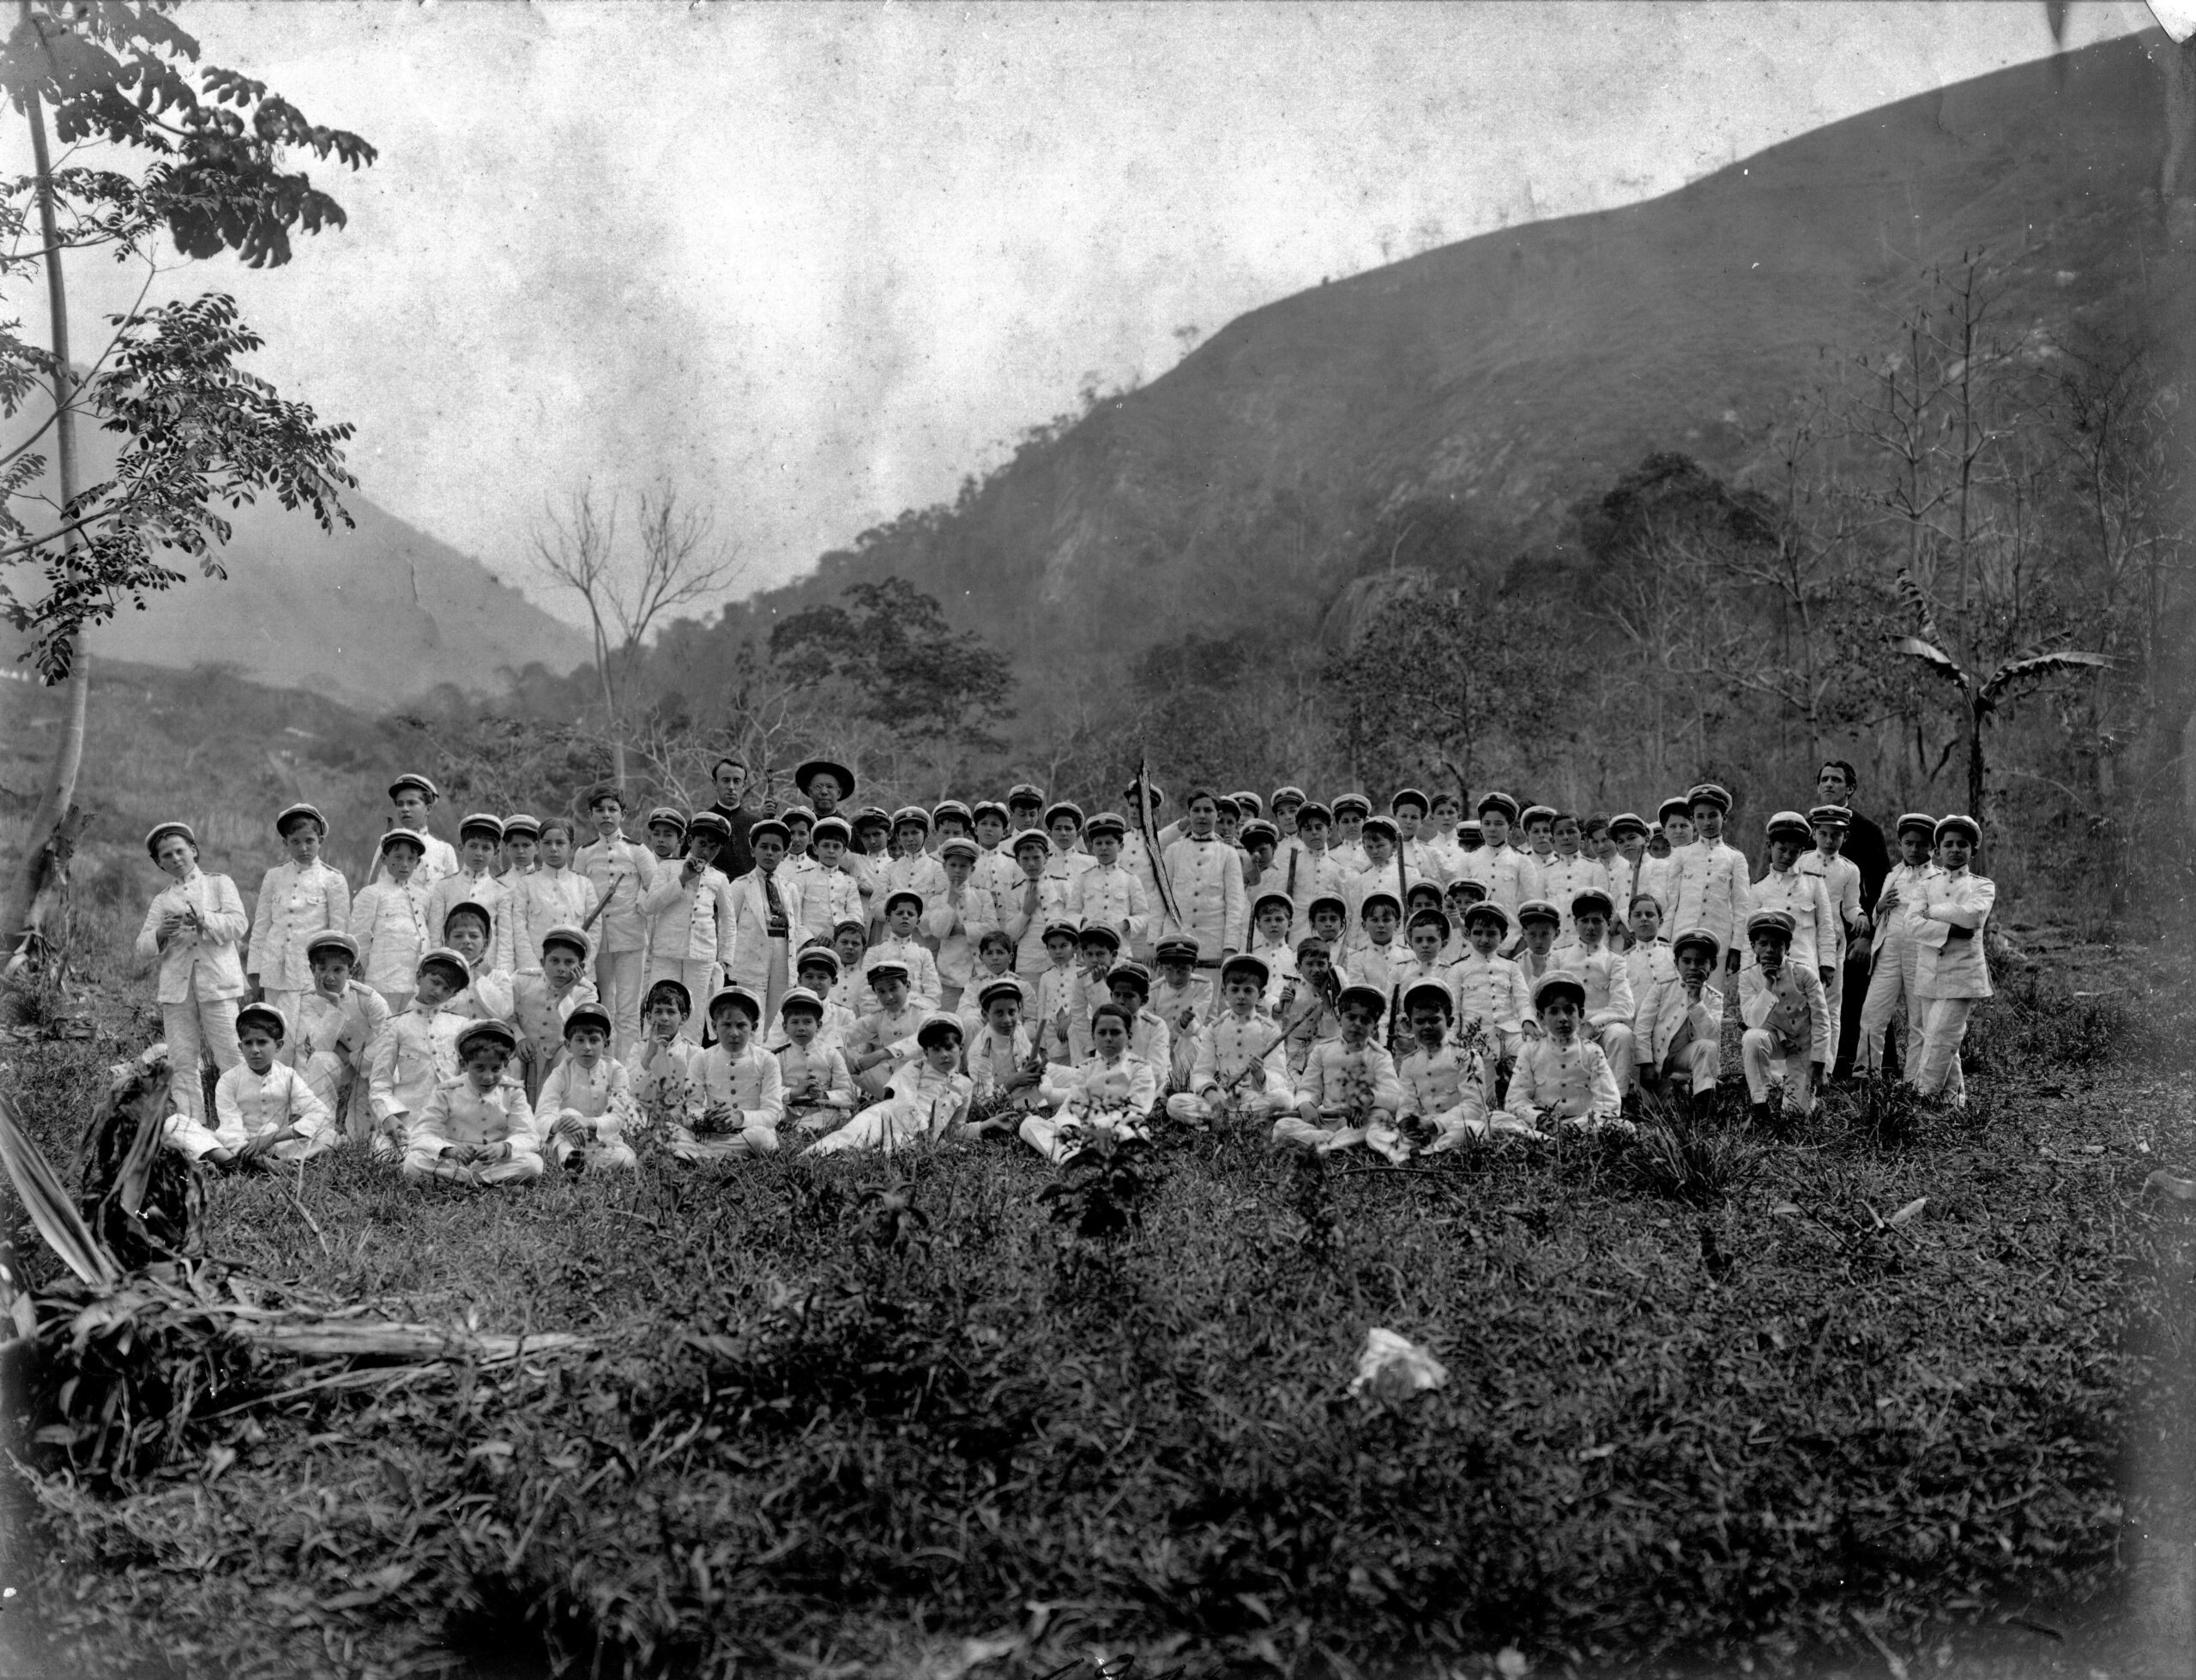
(263, 1113)
(927, 1099)
(477, 1129)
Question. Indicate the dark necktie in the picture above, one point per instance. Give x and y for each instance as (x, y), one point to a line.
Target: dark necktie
(774, 908)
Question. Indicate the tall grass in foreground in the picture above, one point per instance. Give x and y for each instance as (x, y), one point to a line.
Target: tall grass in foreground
(1688, 1424)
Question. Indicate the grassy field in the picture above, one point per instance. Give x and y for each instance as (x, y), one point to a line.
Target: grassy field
(1709, 1414)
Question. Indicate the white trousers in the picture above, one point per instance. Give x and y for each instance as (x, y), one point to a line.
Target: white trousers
(1891, 997)
(1189, 1107)
(420, 1166)
(1617, 1043)
(1293, 1131)
(618, 984)
(1940, 1069)
(196, 1028)
(1766, 1059)
(197, 1139)
(723, 1145)
(1699, 1062)
(1058, 1136)
(897, 1123)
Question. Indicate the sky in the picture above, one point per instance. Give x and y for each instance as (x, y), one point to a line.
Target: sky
(812, 265)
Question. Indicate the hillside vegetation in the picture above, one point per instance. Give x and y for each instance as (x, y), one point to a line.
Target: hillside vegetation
(1500, 379)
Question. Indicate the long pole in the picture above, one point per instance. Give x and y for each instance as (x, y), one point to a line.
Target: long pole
(68, 752)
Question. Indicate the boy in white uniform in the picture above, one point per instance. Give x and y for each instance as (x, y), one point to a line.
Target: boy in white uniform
(296, 900)
(1951, 973)
(1240, 1067)
(1659, 876)
(1207, 874)
(1561, 1077)
(622, 873)
(1108, 894)
(688, 912)
(336, 1024)
(1349, 1093)
(1800, 896)
(1569, 871)
(1679, 1024)
(552, 895)
(477, 1129)
(743, 1089)
(1312, 872)
(411, 795)
(1787, 1020)
(264, 1112)
(479, 841)
(1841, 885)
(388, 919)
(191, 930)
(587, 1110)
(1610, 1006)
(417, 1051)
(1895, 959)
(1712, 891)
(1510, 877)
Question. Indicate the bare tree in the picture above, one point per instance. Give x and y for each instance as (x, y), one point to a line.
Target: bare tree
(679, 561)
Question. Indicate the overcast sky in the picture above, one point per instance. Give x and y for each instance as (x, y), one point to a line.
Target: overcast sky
(816, 263)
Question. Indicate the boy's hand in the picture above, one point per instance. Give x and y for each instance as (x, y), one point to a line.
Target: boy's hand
(1531, 1029)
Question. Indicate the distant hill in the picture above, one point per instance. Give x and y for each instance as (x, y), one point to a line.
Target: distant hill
(370, 616)
(1491, 383)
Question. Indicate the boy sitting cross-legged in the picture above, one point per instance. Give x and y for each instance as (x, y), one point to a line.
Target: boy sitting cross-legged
(1349, 1093)
(820, 1090)
(743, 1093)
(1240, 1069)
(263, 1113)
(1448, 1079)
(1560, 1076)
(338, 1021)
(587, 1102)
(477, 1129)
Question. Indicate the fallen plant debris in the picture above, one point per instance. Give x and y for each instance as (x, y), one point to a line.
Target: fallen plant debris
(129, 1360)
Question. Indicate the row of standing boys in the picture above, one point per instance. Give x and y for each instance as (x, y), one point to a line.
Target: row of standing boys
(1400, 980)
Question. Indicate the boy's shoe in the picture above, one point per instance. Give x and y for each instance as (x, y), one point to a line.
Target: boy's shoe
(1757, 1115)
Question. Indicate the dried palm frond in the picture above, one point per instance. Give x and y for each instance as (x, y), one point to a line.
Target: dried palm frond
(143, 1203)
(48, 1204)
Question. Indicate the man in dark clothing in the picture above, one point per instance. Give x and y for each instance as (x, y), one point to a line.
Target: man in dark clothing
(730, 775)
(1836, 783)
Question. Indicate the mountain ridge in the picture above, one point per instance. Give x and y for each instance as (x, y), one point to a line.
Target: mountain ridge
(1494, 382)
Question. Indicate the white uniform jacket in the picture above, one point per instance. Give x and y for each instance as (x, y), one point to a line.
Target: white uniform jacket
(1951, 962)
(201, 961)
(1208, 881)
(296, 901)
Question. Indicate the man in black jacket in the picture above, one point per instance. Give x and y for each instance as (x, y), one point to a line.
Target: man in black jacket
(730, 774)
(1836, 783)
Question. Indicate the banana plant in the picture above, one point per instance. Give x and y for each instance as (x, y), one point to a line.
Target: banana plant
(1981, 695)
